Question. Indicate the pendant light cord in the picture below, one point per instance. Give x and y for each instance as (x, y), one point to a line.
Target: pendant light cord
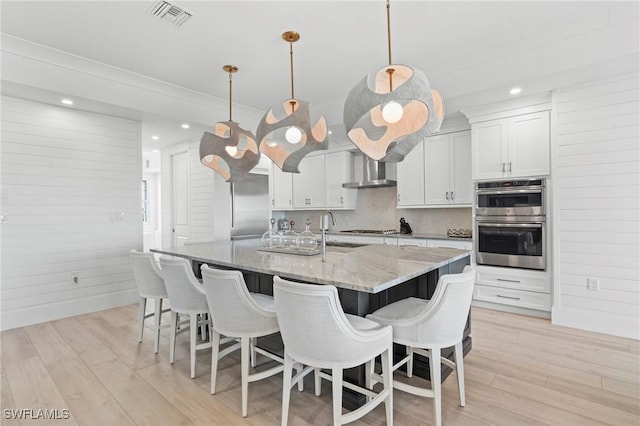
(291, 67)
(389, 70)
(230, 94)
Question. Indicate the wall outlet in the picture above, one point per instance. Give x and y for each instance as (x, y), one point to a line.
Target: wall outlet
(75, 277)
(593, 284)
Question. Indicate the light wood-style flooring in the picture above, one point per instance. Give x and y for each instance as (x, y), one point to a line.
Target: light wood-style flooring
(521, 371)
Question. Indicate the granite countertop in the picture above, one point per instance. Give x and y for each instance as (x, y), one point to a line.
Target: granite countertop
(369, 269)
(415, 235)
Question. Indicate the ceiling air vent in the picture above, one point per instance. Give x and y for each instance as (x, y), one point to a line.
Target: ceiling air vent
(170, 13)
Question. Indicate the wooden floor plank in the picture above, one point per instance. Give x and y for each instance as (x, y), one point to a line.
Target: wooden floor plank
(16, 346)
(49, 343)
(84, 343)
(6, 401)
(33, 388)
(558, 399)
(89, 401)
(188, 397)
(139, 399)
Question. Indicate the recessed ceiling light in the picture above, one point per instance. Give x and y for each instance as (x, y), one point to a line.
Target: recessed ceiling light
(155, 138)
(155, 150)
(330, 132)
(515, 91)
(67, 101)
(185, 125)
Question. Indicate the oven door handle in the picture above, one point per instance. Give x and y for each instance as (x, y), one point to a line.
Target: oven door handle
(520, 190)
(511, 225)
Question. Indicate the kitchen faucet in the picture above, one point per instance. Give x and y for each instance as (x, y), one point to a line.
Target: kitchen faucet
(323, 230)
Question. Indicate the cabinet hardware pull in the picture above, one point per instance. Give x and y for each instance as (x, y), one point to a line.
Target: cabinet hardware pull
(503, 166)
(341, 200)
(289, 201)
(509, 166)
(447, 195)
(398, 197)
(273, 202)
(452, 195)
(506, 280)
(508, 297)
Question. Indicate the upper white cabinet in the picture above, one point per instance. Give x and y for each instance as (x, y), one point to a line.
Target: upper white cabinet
(410, 176)
(339, 170)
(511, 147)
(437, 172)
(448, 169)
(309, 184)
(281, 189)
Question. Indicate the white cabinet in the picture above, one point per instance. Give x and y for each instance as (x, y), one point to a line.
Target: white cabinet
(416, 242)
(448, 169)
(308, 185)
(410, 176)
(281, 189)
(339, 170)
(462, 245)
(513, 287)
(511, 147)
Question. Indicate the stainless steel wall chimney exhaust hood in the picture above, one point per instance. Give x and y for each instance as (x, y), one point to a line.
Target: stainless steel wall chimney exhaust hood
(374, 175)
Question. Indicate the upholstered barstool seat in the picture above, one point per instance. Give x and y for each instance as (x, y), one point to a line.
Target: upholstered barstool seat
(187, 298)
(239, 314)
(150, 284)
(425, 327)
(319, 335)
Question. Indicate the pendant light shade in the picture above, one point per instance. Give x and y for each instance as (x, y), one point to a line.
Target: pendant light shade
(288, 137)
(230, 150)
(387, 116)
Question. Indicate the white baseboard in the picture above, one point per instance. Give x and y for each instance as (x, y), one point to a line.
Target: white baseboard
(42, 313)
(511, 309)
(596, 321)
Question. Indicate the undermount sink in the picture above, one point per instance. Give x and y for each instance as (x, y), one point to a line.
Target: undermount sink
(343, 244)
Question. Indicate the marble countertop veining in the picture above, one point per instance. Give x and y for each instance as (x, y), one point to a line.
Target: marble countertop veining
(369, 269)
(415, 235)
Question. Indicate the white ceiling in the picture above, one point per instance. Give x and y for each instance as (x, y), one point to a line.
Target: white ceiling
(472, 52)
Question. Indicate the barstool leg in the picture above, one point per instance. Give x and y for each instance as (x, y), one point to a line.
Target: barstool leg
(286, 388)
(336, 388)
(193, 336)
(215, 350)
(172, 336)
(142, 307)
(434, 369)
(157, 317)
(387, 378)
(460, 371)
(244, 363)
(410, 361)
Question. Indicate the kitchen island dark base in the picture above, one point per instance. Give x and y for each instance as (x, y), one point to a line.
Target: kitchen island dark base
(361, 303)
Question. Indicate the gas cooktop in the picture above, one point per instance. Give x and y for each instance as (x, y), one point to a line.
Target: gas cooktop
(372, 231)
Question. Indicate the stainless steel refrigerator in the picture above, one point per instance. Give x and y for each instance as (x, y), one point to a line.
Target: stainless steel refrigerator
(250, 206)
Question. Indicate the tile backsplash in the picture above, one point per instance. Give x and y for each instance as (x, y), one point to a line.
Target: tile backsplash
(376, 209)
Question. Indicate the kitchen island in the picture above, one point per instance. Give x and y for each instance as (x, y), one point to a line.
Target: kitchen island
(367, 277)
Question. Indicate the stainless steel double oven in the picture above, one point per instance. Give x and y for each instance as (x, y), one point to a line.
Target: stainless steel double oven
(510, 224)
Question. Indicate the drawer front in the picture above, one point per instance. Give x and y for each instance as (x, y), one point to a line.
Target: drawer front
(462, 245)
(504, 296)
(412, 242)
(393, 241)
(540, 284)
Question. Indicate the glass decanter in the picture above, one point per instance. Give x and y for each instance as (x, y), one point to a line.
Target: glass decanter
(271, 238)
(306, 239)
(290, 237)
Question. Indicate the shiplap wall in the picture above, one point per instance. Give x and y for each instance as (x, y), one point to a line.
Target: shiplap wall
(208, 201)
(66, 175)
(596, 168)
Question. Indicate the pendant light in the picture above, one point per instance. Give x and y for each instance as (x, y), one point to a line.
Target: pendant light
(230, 150)
(388, 120)
(287, 140)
